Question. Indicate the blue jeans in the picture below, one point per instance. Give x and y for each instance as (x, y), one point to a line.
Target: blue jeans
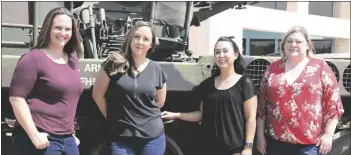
(275, 147)
(138, 146)
(59, 145)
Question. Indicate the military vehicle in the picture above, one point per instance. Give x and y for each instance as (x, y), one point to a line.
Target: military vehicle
(103, 26)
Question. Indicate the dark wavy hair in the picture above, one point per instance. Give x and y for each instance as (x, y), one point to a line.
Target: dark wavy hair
(239, 64)
(73, 45)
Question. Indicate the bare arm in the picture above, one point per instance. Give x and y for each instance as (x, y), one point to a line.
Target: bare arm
(250, 109)
(330, 126)
(194, 116)
(23, 115)
(22, 83)
(161, 95)
(101, 85)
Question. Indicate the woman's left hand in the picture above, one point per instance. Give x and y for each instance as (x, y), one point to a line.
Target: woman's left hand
(325, 143)
(246, 151)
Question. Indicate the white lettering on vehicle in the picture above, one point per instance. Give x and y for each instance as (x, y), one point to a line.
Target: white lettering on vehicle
(92, 68)
(88, 81)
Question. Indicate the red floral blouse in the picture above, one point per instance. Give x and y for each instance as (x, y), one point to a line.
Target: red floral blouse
(297, 113)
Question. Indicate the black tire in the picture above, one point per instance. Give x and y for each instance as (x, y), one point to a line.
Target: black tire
(172, 148)
(100, 149)
(341, 143)
(96, 149)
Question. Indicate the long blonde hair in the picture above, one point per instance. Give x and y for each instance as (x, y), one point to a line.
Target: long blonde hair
(303, 31)
(123, 61)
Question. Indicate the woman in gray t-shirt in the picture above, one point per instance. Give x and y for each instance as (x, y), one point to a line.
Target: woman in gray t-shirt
(130, 89)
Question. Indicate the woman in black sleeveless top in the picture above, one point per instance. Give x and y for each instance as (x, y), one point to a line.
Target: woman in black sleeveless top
(228, 104)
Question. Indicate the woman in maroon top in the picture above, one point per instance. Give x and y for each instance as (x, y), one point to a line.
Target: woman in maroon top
(299, 101)
(45, 89)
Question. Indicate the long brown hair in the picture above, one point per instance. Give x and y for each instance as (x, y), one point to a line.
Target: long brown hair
(123, 61)
(303, 31)
(73, 45)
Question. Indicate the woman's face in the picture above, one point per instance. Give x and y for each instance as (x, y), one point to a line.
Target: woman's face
(295, 46)
(224, 54)
(61, 31)
(141, 41)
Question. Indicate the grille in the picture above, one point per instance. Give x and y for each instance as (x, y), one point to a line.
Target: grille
(335, 70)
(256, 69)
(346, 80)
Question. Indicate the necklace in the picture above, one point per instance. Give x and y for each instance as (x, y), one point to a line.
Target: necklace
(139, 69)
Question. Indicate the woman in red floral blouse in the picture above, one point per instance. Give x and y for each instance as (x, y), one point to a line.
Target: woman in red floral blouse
(299, 102)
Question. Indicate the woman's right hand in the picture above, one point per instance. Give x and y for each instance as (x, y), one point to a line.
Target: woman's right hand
(40, 140)
(261, 144)
(166, 115)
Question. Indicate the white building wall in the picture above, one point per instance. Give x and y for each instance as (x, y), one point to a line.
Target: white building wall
(280, 21)
(233, 22)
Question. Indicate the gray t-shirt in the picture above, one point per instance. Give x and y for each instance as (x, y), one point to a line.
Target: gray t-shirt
(131, 107)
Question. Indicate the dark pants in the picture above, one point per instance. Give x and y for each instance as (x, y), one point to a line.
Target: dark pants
(275, 147)
(138, 146)
(59, 145)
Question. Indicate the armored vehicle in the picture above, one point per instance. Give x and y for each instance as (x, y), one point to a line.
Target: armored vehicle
(103, 26)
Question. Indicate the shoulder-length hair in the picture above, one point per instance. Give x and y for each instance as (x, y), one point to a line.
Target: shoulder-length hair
(303, 31)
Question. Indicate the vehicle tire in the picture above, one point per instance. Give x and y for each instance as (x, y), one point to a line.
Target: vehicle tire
(99, 149)
(341, 143)
(172, 148)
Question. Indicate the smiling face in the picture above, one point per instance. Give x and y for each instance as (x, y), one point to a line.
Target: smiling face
(61, 31)
(141, 41)
(224, 54)
(296, 46)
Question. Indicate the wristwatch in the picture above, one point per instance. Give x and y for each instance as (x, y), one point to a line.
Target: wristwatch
(248, 145)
